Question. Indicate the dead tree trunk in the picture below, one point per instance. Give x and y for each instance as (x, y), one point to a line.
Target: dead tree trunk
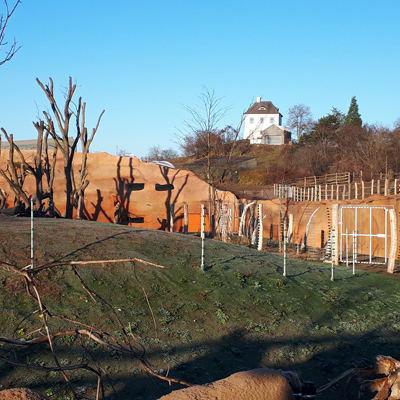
(13, 176)
(63, 119)
(74, 193)
(85, 142)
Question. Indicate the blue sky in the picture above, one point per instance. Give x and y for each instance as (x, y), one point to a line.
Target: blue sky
(143, 61)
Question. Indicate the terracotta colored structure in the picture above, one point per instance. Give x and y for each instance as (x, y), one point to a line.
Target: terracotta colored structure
(143, 194)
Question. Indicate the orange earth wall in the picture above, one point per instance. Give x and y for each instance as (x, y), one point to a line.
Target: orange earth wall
(134, 184)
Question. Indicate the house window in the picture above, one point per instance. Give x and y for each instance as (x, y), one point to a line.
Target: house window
(271, 120)
(252, 120)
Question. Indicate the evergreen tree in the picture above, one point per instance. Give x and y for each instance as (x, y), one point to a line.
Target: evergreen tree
(353, 116)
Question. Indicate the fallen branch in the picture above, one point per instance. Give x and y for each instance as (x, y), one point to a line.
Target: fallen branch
(59, 263)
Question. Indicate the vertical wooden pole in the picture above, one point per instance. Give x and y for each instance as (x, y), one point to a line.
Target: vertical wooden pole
(393, 241)
(372, 187)
(386, 186)
(230, 224)
(395, 186)
(186, 218)
(224, 223)
(362, 189)
(355, 190)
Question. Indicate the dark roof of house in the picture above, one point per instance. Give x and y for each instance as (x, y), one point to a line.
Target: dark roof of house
(263, 107)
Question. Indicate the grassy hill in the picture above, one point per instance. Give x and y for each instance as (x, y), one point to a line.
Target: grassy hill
(239, 313)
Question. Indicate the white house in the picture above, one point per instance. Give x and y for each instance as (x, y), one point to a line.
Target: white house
(263, 124)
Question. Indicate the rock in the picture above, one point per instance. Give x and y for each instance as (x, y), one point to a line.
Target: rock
(21, 394)
(256, 384)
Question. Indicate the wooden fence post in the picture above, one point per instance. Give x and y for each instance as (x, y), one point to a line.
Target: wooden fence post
(393, 241)
(186, 218)
(224, 223)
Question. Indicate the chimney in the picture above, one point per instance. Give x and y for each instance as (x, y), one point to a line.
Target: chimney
(258, 99)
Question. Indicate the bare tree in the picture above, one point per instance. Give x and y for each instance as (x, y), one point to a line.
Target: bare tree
(203, 122)
(15, 172)
(85, 142)
(154, 153)
(396, 124)
(60, 133)
(299, 119)
(18, 169)
(4, 20)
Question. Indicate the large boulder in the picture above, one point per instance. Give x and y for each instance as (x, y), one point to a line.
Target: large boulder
(256, 384)
(21, 394)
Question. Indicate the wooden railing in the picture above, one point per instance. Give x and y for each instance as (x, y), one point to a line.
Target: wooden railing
(342, 190)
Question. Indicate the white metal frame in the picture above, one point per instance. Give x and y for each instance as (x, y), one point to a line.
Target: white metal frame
(344, 235)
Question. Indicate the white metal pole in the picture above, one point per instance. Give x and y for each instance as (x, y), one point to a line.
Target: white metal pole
(32, 232)
(386, 228)
(203, 233)
(260, 228)
(354, 251)
(284, 247)
(332, 251)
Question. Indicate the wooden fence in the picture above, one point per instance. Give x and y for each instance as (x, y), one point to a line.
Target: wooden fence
(338, 191)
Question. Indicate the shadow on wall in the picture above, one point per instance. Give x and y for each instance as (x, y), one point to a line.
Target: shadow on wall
(124, 188)
(170, 202)
(98, 209)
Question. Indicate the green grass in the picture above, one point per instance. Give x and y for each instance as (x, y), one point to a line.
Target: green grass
(240, 313)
